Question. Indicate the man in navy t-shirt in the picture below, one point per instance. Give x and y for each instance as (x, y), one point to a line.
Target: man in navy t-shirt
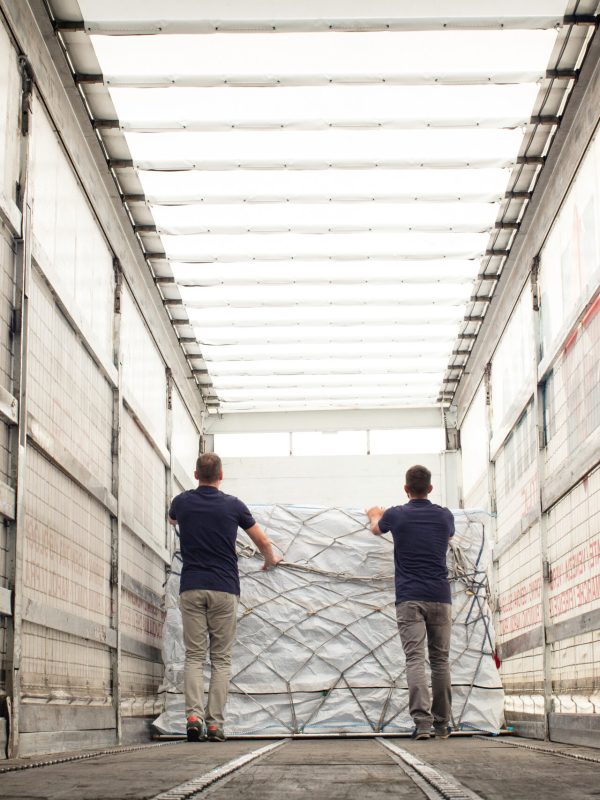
(421, 532)
(208, 521)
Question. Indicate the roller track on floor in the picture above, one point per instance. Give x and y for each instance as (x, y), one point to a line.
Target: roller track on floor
(432, 782)
(540, 748)
(109, 751)
(196, 785)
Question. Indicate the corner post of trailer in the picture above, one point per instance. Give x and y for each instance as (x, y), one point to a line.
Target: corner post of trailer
(18, 433)
(116, 520)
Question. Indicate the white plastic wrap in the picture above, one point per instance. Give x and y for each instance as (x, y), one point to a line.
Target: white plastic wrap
(317, 647)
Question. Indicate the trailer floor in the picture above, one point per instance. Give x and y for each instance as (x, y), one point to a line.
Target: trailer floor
(319, 769)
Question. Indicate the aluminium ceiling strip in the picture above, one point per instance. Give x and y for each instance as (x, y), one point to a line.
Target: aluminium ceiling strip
(151, 16)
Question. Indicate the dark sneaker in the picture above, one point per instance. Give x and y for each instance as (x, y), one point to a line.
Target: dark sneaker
(442, 731)
(420, 734)
(215, 733)
(195, 729)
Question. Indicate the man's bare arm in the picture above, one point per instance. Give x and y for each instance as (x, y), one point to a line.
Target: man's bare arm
(262, 541)
(375, 514)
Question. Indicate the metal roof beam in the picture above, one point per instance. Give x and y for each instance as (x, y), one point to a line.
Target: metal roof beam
(339, 258)
(324, 368)
(285, 279)
(447, 162)
(241, 229)
(323, 16)
(360, 123)
(162, 81)
(467, 197)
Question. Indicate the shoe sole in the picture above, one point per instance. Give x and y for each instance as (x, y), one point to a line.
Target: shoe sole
(194, 735)
(422, 736)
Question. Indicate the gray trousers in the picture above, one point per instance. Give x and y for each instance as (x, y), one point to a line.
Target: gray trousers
(416, 621)
(207, 615)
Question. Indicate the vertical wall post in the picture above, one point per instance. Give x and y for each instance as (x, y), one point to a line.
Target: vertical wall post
(18, 434)
(169, 486)
(116, 522)
(451, 460)
(538, 409)
(491, 482)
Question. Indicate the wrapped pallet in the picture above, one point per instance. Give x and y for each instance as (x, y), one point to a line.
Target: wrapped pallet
(317, 648)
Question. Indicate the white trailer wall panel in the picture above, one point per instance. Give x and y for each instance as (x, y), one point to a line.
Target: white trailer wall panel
(63, 668)
(184, 442)
(574, 587)
(570, 258)
(6, 292)
(572, 395)
(66, 569)
(512, 366)
(517, 485)
(10, 87)
(143, 484)
(519, 603)
(143, 573)
(144, 375)
(68, 241)
(67, 545)
(349, 481)
(474, 443)
(6, 301)
(67, 393)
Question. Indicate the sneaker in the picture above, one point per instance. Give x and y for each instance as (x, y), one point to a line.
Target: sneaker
(215, 733)
(442, 731)
(195, 729)
(419, 734)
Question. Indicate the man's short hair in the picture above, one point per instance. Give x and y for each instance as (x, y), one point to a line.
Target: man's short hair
(418, 479)
(209, 467)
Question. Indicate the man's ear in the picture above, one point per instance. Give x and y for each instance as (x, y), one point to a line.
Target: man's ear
(221, 475)
(196, 475)
(429, 489)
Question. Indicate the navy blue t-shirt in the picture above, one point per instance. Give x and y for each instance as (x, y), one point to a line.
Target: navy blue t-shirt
(208, 522)
(421, 532)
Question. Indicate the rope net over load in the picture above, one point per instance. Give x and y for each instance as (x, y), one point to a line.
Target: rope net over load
(317, 647)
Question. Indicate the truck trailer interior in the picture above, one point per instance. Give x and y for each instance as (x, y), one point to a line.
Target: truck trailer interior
(327, 241)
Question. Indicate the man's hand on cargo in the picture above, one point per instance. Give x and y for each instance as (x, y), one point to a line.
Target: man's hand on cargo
(262, 541)
(272, 562)
(375, 513)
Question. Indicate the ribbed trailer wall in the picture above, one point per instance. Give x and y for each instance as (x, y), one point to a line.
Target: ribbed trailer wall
(104, 434)
(530, 435)
(9, 223)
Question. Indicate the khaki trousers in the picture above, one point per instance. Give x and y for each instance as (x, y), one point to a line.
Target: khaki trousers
(416, 621)
(213, 615)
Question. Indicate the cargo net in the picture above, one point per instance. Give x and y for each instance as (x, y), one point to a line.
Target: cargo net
(317, 648)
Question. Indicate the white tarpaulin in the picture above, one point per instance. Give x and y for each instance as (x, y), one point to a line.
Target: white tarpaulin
(317, 646)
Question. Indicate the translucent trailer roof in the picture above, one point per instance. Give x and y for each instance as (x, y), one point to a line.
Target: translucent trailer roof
(325, 192)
